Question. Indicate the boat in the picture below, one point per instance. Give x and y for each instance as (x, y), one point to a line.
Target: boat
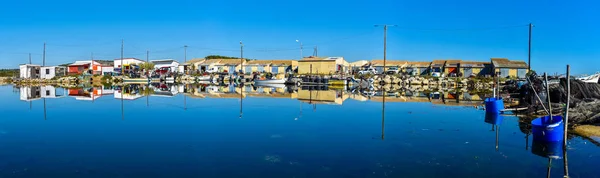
(139, 80)
(270, 81)
(591, 78)
(204, 78)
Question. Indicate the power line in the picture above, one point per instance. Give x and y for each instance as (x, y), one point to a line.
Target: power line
(462, 29)
(82, 45)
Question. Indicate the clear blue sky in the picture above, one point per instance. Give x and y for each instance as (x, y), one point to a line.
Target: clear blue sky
(565, 32)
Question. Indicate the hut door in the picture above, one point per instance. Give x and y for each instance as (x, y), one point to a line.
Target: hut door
(468, 72)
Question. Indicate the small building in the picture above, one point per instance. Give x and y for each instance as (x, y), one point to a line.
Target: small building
(209, 66)
(29, 71)
(357, 66)
(85, 67)
(389, 64)
(257, 66)
(417, 68)
(128, 64)
(85, 94)
(30, 93)
(283, 66)
(510, 69)
(475, 69)
(322, 65)
(192, 66)
(169, 65)
(49, 72)
(451, 68)
(105, 68)
(336, 97)
(437, 66)
(49, 91)
(231, 66)
(271, 66)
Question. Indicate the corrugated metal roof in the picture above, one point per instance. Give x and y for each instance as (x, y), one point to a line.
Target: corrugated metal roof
(505, 63)
(476, 64)
(195, 60)
(452, 62)
(388, 63)
(418, 64)
(282, 62)
(259, 62)
(438, 63)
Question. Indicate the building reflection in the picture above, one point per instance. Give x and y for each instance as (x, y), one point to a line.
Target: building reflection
(313, 95)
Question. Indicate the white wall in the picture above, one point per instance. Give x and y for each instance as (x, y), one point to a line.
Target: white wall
(107, 69)
(26, 70)
(117, 62)
(29, 93)
(48, 92)
(173, 65)
(51, 72)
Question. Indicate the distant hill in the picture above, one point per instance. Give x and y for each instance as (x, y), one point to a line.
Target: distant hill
(219, 57)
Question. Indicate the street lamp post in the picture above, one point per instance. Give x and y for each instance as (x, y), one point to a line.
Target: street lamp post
(241, 58)
(385, 27)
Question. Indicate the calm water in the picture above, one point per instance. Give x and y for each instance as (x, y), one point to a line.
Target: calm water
(212, 133)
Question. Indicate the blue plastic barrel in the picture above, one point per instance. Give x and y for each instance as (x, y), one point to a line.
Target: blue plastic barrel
(493, 118)
(494, 105)
(546, 129)
(546, 149)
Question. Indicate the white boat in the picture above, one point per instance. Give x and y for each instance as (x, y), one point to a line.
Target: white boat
(591, 78)
(204, 78)
(270, 81)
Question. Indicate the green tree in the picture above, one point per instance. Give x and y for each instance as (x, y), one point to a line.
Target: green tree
(147, 66)
(220, 57)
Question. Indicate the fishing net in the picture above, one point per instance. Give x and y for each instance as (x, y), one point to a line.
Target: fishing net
(584, 101)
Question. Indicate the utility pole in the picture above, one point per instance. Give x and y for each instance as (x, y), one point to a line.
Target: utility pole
(122, 66)
(385, 27)
(242, 58)
(383, 116)
(147, 63)
(529, 51)
(185, 58)
(122, 87)
(316, 51)
(29, 58)
(44, 56)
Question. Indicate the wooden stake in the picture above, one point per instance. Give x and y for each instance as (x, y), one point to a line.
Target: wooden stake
(566, 165)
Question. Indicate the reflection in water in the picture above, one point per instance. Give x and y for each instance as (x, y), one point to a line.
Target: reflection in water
(494, 119)
(383, 116)
(313, 96)
(31, 93)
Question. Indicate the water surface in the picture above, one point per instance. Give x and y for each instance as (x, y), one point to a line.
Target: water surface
(262, 132)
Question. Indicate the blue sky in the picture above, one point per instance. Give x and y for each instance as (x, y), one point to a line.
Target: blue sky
(565, 32)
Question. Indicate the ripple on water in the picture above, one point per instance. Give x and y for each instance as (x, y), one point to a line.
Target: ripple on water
(273, 158)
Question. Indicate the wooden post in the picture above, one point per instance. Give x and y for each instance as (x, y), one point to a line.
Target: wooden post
(566, 165)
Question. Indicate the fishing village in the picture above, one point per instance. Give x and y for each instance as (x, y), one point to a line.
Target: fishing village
(459, 82)
(550, 107)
